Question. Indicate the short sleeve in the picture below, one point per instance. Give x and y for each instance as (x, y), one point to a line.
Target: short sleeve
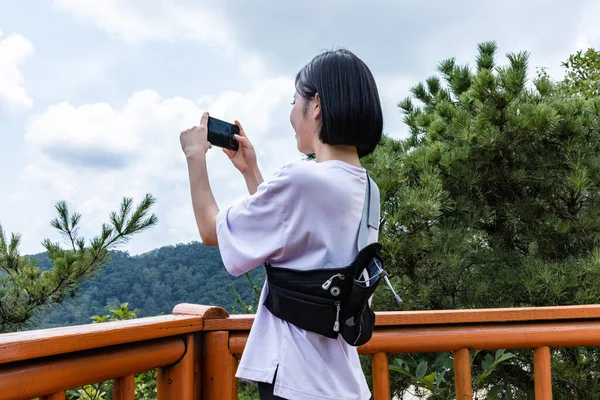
(251, 232)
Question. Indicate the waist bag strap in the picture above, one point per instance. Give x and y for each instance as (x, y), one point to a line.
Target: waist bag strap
(370, 214)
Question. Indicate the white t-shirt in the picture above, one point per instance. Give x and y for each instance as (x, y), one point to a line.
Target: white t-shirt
(306, 217)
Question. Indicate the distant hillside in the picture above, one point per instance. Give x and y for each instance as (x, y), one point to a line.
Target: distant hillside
(153, 283)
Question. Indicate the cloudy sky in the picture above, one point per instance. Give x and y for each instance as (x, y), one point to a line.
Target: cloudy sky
(93, 94)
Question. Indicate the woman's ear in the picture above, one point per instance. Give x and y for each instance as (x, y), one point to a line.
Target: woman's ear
(316, 108)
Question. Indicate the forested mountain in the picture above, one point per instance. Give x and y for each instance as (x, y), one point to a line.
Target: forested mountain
(154, 283)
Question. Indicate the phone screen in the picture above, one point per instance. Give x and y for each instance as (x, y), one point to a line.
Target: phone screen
(220, 133)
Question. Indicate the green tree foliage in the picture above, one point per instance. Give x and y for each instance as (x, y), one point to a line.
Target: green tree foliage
(154, 283)
(434, 380)
(26, 290)
(247, 307)
(493, 201)
(583, 73)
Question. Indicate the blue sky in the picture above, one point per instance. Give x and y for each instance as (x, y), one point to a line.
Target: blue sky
(93, 94)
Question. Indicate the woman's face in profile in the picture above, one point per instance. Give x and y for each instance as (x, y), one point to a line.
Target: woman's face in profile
(303, 124)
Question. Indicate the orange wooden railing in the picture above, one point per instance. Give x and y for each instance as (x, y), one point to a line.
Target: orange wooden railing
(196, 349)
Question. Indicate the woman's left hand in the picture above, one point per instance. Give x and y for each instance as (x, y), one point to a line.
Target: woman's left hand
(194, 141)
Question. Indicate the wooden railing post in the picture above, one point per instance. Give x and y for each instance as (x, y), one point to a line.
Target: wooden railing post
(462, 374)
(177, 381)
(381, 376)
(55, 396)
(124, 388)
(218, 368)
(202, 386)
(542, 373)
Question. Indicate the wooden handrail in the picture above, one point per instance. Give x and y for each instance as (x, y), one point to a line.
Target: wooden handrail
(442, 317)
(197, 346)
(476, 337)
(47, 342)
(26, 380)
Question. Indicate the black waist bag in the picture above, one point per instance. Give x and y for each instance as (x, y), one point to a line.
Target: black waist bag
(329, 302)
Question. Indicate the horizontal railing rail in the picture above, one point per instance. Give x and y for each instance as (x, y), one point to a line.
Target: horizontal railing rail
(196, 349)
(26, 380)
(45, 363)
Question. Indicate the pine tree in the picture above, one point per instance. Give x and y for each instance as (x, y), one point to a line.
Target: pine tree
(583, 73)
(494, 201)
(26, 290)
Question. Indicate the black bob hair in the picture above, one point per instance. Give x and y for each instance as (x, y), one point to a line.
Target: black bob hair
(349, 99)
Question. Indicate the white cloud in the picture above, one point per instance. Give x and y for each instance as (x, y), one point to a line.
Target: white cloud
(151, 21)
(91, 155)
(163, 21)
(588, 28)
(390, 89)
(13, 96)
(56, 79)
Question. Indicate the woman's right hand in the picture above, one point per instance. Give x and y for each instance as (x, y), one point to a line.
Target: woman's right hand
(244, 159)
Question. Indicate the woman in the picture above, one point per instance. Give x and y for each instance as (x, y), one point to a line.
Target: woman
(307, 216)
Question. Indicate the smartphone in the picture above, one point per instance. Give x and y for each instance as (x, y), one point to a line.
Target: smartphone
(220, 133)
